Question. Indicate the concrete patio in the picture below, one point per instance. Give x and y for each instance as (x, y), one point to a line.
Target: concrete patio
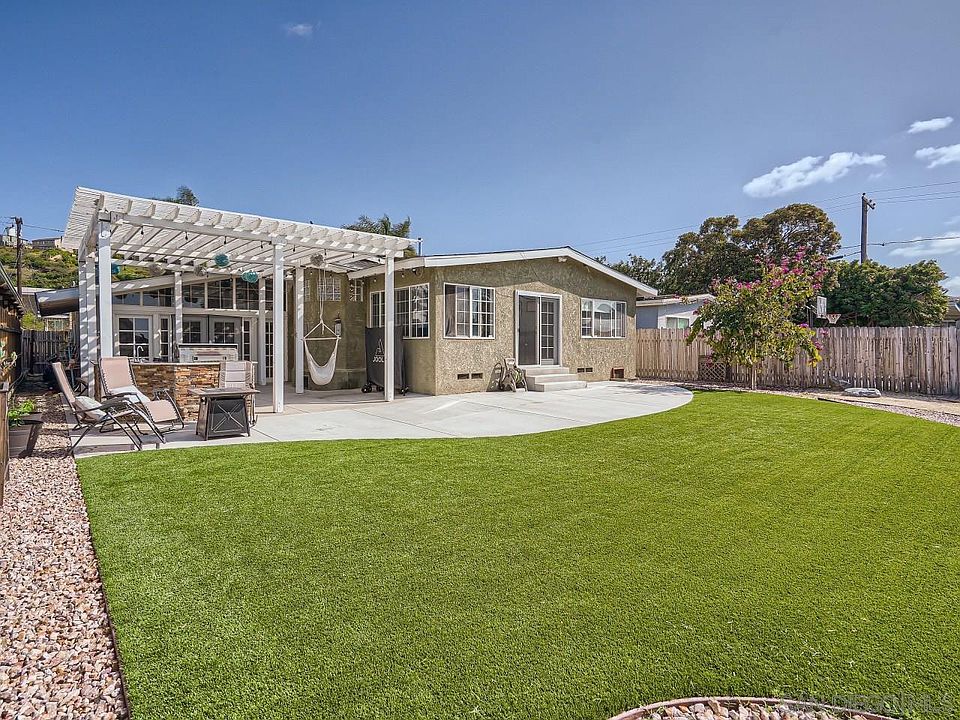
(340, 415)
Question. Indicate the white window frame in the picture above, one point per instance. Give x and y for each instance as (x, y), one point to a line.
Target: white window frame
(330, 287)
(470, 311)
(678, 318)
(593, 319)
(407, 327)
(151, 340)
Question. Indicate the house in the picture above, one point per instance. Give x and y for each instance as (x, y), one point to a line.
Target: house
(50, 243)
(258, 287)
(565, 317)
(952, 316)
(673, 311)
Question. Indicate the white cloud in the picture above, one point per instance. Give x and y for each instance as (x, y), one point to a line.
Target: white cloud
(946, 244)
(955, 220)
(930, 125)
(299, 29)
(939, 155)
(808, 171)
(952, 286)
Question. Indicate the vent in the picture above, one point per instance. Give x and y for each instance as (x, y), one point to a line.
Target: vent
(476, 376)
(585, 370)
(617, 374)
(463, 376)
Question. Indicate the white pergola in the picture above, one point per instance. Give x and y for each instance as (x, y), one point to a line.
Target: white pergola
(107, 228)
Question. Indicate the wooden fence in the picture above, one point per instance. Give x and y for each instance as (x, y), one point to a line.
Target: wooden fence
(39, 346)
(922, 360)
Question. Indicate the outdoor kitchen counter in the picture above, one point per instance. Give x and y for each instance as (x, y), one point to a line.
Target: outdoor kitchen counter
(178, 378)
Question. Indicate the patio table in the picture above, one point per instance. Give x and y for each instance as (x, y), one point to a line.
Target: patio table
(223, 411)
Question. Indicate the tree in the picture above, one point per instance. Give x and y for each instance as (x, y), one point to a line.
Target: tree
(384, 226)
(748, 322)
(184, 196)
(639, 268)
(787, 231)
(875, 295)
(701, 257)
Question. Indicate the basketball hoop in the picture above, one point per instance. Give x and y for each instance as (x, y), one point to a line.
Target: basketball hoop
(832, 318)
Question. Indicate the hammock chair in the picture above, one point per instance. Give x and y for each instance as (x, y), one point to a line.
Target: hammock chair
(321, 374)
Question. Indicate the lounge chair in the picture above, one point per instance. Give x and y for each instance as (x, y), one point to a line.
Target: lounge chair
(239, 374)
(160, 413)
(108, 416)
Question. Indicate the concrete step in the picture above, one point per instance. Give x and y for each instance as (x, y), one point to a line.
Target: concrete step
(546, 370)
(537, 386)
(553, 378)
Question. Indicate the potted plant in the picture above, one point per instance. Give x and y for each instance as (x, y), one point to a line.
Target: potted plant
(24, 427)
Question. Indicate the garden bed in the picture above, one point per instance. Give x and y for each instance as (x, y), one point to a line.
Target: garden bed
(57, 656)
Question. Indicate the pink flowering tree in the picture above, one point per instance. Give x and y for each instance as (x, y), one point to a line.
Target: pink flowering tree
(749, 322)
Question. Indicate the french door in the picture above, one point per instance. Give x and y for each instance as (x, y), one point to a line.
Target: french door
(538, 329)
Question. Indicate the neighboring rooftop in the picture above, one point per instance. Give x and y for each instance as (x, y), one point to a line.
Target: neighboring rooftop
(674, 299)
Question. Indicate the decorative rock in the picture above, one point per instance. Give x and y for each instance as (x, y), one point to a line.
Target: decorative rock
(862, 392)
(57, 658)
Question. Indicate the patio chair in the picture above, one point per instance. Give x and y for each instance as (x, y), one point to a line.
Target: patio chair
(108, 416)
(160, 413)
(240, 374)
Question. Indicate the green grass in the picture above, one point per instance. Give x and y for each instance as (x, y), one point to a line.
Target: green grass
(742, 544)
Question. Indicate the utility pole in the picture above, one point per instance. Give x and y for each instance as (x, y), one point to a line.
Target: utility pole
(866, 204)
(18, 228)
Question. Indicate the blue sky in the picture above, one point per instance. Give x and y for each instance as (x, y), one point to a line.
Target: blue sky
(494, 125)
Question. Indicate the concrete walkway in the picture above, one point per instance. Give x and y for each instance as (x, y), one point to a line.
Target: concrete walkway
(353, 415)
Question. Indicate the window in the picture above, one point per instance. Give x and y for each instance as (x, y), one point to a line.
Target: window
(356, 290)
(132, 298)
(376, 309)
(194, 296)
(469, 311)
(134, 336)
(248, 295)
(603, 319)
(165, 338)
(224, 332)
(245, 342)
(220, 294)
(677, 322)
(192, 332)
(328, 286)
(161, 297)
(412, 310)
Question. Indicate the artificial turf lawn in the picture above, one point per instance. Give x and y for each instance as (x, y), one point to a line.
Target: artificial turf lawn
(742, 544)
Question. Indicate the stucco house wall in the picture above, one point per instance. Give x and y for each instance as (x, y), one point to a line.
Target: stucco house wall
(434, 364)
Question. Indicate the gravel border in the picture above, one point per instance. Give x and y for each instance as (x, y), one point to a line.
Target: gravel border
(744, 708)
(58, 657)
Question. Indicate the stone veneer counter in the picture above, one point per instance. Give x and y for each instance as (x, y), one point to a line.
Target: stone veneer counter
(178, 378)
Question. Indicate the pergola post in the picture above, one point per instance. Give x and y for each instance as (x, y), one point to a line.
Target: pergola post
(87, 291)
(389, 342)
(262, 331)
(279, 328)
(105, 290)
(177, 312)
(298, 331)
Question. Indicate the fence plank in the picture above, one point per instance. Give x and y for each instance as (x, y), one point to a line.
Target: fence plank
(922, 360)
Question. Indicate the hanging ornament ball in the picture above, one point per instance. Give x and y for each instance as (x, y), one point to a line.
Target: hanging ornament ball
(114, 268)
(222, 260)
(250, 276)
